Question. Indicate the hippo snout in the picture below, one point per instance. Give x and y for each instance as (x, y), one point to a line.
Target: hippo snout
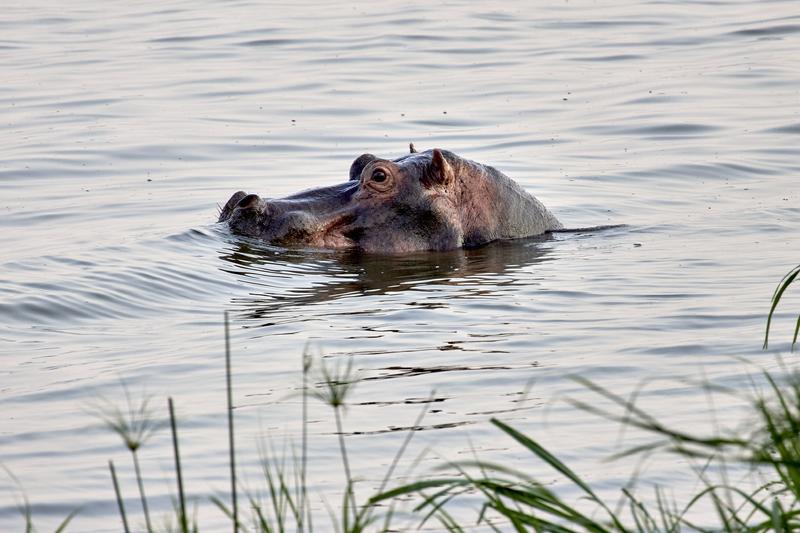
(244, 213)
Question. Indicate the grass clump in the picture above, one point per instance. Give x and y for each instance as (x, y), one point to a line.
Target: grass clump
(521, 502)
(287, 507)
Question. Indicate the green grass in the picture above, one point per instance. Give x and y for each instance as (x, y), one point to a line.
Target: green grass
(525, 504)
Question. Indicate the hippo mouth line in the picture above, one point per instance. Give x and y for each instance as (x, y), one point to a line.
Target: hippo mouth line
(342, 233)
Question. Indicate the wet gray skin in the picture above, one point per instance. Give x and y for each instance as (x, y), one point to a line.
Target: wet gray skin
(432, 200)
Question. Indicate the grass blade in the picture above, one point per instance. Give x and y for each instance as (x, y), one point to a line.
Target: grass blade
(776, 297)
(64, 523)
(120, 504)
(178, 472)
(232, 456)
(550, 459)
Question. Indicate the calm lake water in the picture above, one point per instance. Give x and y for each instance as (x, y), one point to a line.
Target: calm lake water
(125, 125)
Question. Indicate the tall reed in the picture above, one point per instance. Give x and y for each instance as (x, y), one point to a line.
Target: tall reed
(231, 448)
(182, 517)
(118, 494)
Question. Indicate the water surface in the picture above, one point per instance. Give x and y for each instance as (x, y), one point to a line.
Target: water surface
(124, 126)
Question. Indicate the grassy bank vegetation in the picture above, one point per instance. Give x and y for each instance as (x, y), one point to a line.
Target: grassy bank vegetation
(510, 499)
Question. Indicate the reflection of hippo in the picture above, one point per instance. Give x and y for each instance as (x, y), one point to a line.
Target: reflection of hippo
(432, 200)
(324, 276)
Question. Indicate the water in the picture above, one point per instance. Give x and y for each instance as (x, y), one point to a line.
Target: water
(124, 126)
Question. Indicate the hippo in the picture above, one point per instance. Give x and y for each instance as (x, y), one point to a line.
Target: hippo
(424, 201)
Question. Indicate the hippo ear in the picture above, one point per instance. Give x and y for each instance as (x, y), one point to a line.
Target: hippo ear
(358, 165)
(411, 148)
(439, 172)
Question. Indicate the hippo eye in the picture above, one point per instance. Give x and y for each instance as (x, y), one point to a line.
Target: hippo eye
(379, 176)
(379, 179)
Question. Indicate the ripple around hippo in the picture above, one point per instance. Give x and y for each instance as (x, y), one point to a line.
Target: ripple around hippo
(432, 200)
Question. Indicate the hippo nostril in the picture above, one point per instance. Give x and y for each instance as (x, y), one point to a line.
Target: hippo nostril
(230, 205)
(248, 201)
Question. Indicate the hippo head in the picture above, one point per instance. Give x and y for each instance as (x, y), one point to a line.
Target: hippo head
(432, 200)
